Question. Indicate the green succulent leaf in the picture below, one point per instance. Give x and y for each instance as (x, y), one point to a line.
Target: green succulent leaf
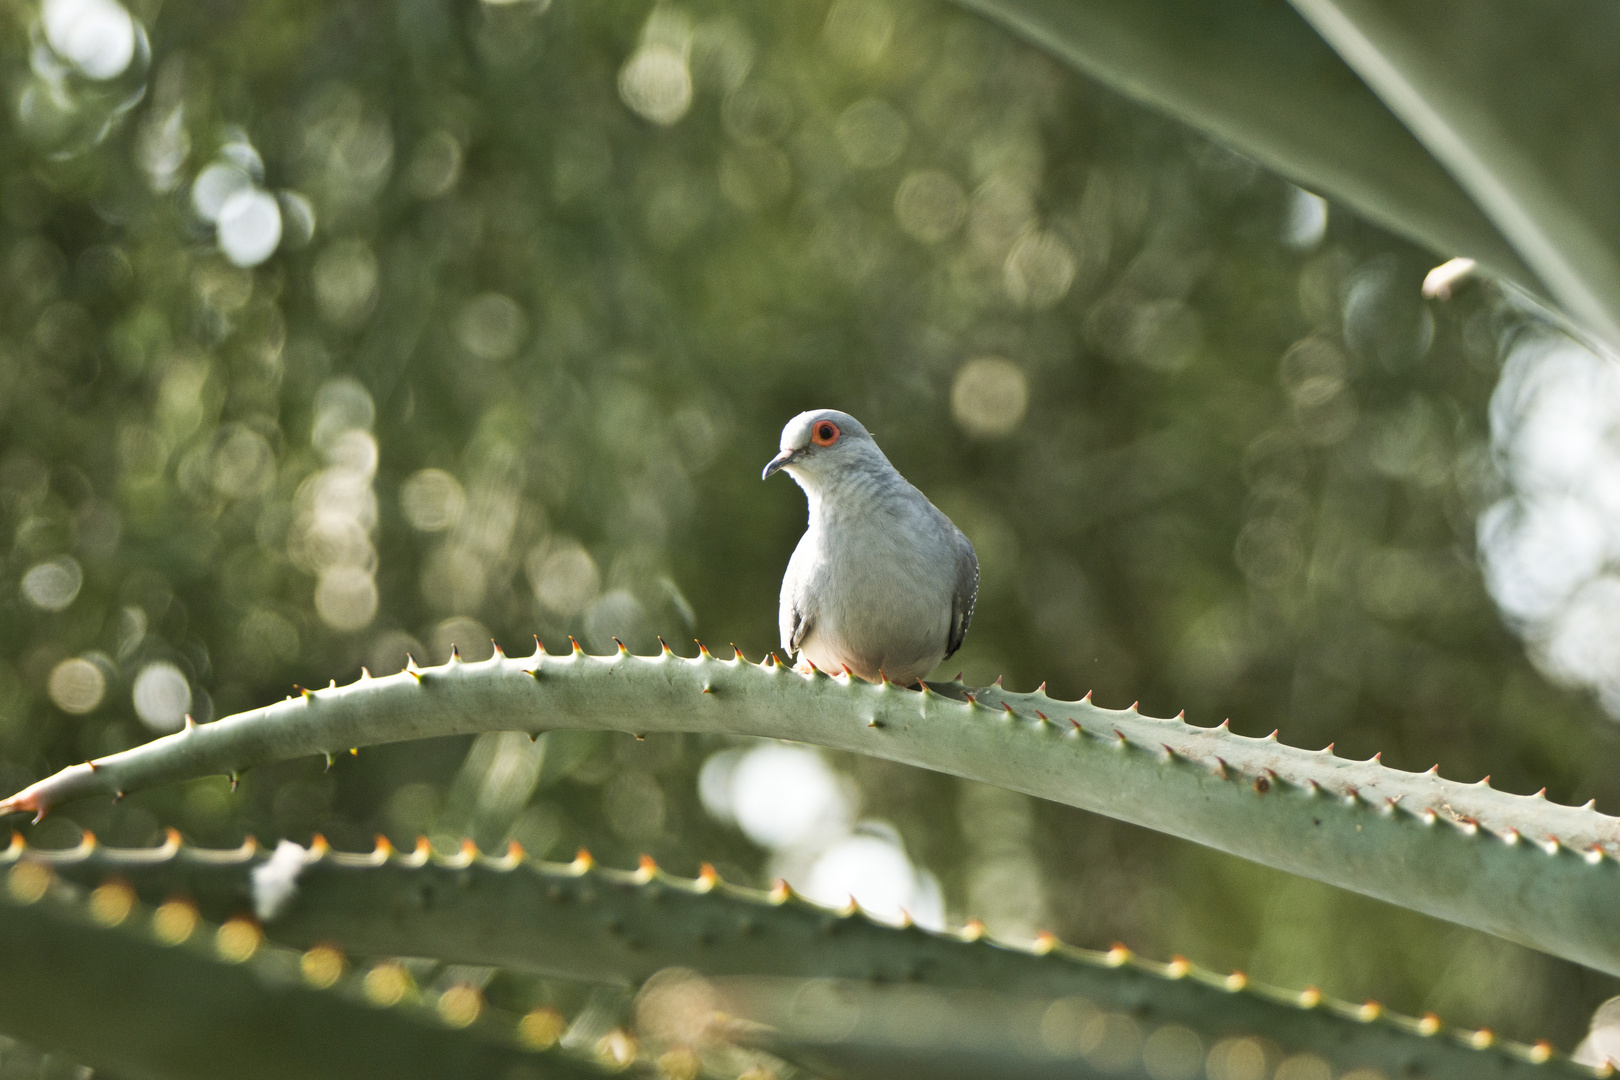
(1494, 144)
(158, 992)
(828, 989)
(1521, 867)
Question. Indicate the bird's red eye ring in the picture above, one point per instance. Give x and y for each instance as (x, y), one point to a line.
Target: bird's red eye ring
(825, 433)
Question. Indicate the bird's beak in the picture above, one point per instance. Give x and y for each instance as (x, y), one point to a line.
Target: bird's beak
(786, 457)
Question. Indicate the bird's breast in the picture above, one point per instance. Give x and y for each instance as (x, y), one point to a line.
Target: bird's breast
(882, 599)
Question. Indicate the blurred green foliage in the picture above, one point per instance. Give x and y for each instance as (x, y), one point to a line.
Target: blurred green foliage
(550, 278)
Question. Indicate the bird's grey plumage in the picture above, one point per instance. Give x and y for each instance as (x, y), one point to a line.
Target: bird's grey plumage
(882, 582)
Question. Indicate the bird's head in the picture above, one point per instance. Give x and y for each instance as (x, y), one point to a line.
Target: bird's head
(819, 445)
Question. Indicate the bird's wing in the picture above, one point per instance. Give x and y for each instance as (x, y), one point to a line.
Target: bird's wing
(794, 615)
(794, 624)
(967, 591)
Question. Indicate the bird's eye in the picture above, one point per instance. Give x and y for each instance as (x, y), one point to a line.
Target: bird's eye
(825, 433)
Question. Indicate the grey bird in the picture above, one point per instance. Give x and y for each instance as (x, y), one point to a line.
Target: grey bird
(882, 583)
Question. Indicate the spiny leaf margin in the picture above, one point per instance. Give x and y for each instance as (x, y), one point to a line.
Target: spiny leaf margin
(582, 921)
(1521, 867)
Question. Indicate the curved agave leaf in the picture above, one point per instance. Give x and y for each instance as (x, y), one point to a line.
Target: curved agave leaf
(158, 992)
(1517, 101)
(815, 985)
(1478, 132)
(1521, 867)
(1254, 75)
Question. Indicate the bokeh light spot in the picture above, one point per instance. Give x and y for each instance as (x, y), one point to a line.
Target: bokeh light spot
(249, 226)
(76, 685)
(1039, 270)
(1173, 1052)
(346, 282)
(215, 186)
(432, 500)
(244, 464)
(491, 326)
(564, 577)
(1304, 1067)
(96, 36)
(859, 31)
(53, 585)
(656, 84)
(346, 598)
(782, 796)
(162, 696)
(989, 397)
(435, 165)
(1307, 220)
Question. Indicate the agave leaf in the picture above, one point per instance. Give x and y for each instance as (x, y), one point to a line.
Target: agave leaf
(1482, 133)
(1517, 102)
